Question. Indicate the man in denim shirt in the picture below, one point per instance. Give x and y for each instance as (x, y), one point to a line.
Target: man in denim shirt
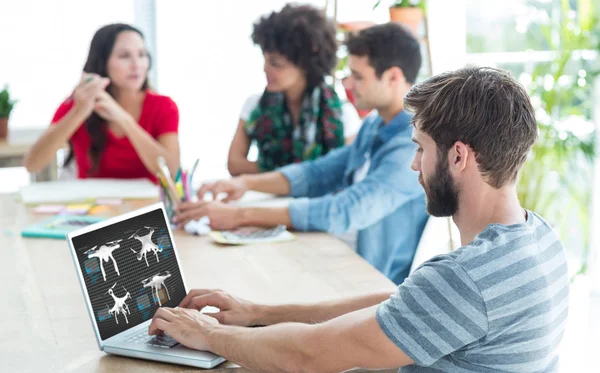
(367, 187)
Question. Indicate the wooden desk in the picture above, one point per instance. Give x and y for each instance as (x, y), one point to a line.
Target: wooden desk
(14, 148)
(45, 326)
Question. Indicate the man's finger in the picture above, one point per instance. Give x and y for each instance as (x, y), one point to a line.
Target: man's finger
(220, 187)
(190, 215)
(194, 293)
(232, 197)
(158, 326)
(183, 206)
(219, 316)
(163, 313)
(213, 300)
(203, 189)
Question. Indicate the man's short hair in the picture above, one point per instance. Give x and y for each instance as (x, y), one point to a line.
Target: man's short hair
(483, 107)
(386, 46)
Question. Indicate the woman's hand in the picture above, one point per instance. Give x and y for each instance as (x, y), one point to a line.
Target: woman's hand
(87, 92)
(110, 110)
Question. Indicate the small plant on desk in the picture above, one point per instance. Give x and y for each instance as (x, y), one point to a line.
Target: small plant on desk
(6, 106)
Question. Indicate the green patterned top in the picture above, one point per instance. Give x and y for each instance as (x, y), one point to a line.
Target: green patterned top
(319, 130)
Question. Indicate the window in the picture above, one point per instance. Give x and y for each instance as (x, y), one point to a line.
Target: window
(551, 47)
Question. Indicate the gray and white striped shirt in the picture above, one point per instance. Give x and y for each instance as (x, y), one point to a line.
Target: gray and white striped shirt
(498, 304)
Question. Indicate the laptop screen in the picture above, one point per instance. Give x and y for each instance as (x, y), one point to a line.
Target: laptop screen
(129, 269)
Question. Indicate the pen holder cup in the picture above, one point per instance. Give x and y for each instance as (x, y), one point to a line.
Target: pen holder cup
(169, 206)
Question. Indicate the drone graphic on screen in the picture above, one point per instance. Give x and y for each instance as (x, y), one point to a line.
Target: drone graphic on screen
(157, 282)
(104, 253)
(120, 306)
(147, 245)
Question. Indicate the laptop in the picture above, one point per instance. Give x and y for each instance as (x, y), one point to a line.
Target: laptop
(128, 267)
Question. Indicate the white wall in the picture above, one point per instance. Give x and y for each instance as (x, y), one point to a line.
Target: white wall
(447, 34)
(44, 46)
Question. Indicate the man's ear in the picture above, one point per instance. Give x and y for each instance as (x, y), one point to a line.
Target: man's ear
(457, 156)
(395, 75)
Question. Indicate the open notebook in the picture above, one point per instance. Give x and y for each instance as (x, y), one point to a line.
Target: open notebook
(87, 189)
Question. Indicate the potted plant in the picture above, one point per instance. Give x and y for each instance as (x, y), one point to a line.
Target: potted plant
(6, 106)
(408, 12)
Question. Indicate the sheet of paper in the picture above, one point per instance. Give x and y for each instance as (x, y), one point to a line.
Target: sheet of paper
(48, 209)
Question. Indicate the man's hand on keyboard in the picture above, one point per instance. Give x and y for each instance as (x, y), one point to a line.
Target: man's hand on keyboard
(232, 310)
(186, 326)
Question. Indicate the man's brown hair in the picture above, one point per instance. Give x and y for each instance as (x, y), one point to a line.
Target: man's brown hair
(483, 107)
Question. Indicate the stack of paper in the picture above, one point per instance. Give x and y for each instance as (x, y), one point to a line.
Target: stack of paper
(86, 190)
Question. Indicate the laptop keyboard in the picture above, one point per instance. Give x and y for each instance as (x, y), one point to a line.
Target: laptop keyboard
(164, 341)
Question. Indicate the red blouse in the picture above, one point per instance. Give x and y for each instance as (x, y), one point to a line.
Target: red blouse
(119, 160)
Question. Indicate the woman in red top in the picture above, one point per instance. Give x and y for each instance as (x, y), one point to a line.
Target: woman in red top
(115, 125)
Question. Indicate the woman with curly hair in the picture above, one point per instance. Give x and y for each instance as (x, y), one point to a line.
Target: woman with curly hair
(298, 117)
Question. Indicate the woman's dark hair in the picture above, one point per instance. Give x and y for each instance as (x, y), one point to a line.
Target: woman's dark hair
(100, 49)
(303, 35)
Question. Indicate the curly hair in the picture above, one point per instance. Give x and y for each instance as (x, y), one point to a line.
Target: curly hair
(303, 35)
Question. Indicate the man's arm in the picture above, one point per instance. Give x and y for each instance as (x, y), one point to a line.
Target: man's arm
(269, 182)
(354, 340)
(320, 176)
(351, 341)
(389, 186)
(307, 179)
(360, 205)
(311, 178)
(317, 313)
(237, 311)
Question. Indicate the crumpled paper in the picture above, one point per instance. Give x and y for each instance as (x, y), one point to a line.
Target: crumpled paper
(199, 227)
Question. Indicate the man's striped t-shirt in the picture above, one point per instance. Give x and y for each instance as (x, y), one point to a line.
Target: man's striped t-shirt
(498, 304)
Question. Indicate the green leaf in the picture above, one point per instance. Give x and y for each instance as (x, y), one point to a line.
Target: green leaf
(6, 104)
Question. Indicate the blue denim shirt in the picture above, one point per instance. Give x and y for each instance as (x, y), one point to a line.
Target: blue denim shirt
(387, 207)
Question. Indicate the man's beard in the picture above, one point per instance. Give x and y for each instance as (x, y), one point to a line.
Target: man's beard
(441, 191)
